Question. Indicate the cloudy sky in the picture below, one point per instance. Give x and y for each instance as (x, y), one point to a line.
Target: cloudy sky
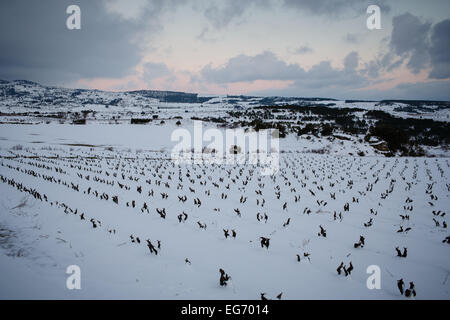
(254, 47)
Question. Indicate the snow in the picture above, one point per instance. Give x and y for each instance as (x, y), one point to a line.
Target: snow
(113, 267)
(39, 239)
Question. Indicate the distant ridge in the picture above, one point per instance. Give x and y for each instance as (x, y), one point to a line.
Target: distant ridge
(162, 96)
(171, 96)
(186, 97)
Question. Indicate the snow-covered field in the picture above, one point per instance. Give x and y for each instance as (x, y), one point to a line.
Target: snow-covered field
(92, 195)
(54, 174)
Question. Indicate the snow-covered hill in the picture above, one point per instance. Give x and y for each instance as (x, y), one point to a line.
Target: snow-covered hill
(26, 96)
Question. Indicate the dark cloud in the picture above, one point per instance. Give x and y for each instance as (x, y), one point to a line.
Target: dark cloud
(303, 50)
(36, 45)
(155, 70)
(440, 50)
(417, 44)
(409, 39)
(205, 37)
(326, 79)
(353, 38)
(351, 61)
(335, 7)
(221, 13)
(384, 62)
(371, 69)
(264, 66)
(267, 66)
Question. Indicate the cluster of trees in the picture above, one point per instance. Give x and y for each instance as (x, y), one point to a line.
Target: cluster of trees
(408, 135)
(404, 136)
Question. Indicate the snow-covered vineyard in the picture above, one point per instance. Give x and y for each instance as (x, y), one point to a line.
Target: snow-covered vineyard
(103, 211)
(107, 197)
